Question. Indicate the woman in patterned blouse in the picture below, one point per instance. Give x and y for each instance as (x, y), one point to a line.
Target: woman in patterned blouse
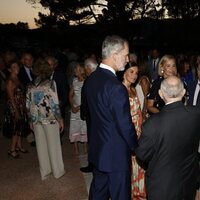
(45, 119)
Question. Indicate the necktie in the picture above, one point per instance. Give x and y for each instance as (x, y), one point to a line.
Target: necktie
(30, 74)
(2, 75)
(154, 64)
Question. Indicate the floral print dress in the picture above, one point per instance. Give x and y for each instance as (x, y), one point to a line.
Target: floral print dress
(137, 180)
(20, 126)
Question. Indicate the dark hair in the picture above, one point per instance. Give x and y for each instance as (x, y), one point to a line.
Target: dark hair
(120, 74)
(11, 62)
(42, 68)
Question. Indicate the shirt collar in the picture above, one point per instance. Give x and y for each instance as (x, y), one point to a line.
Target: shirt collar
(170, 102)
(107, 67)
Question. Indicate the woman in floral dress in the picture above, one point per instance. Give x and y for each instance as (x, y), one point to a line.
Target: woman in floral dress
(130, 75)
(15, 111)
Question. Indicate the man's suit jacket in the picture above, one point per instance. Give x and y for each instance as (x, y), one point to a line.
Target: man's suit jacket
(191, 90)
(168, 145)
(62, 86)
(153, 72)
(113, 137)
(24, 78)
(84, 110)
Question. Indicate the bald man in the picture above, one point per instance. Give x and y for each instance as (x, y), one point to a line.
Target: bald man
(168, 146)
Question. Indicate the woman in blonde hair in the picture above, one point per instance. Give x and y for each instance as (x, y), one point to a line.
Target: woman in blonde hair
(167, 67)
(77, 128)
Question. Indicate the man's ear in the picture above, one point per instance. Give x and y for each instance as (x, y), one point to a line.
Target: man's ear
(114, 56)
(160, 93)
(183, 92)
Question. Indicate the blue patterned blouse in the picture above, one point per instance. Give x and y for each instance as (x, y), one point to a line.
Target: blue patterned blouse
(42, 102)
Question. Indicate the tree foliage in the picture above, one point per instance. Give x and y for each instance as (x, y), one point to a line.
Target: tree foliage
(185, 9)
(66, 12)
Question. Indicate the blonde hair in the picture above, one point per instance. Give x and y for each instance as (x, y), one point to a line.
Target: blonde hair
(163, 61)
(81, 70)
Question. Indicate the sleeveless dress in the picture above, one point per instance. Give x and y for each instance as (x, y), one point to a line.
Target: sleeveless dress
(16, 127)
(77, 129)
(137, 181)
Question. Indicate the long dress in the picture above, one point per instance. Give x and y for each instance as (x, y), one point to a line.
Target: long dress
(137, 181)
(77, 129)
(16, 127)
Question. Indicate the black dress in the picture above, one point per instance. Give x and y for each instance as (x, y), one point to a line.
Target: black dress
(13, 126)
(154, 95)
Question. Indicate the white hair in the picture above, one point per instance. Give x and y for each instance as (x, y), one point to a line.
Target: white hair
(133, 57)
(91, 63)
(172, 90)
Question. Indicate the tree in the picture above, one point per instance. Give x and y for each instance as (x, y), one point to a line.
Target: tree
(146, 8)
(66, 12)
(22, 25)
(70, 11)
(186, 9)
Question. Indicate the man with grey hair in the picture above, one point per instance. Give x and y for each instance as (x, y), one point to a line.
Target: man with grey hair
(90, 66)
(61, 84)
(112, 134)
(168, 146)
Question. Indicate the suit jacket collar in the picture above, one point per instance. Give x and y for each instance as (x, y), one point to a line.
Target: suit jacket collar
(104, 66)
(107, 71)
(173, 105)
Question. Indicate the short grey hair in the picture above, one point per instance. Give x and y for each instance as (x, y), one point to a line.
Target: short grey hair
(111, 45)
(91, 63)
(172, 90)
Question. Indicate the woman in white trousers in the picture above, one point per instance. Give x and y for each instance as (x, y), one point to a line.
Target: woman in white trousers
(45, 120)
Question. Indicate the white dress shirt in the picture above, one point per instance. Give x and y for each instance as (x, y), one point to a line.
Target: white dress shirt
(196, 93)
(108, 68)
(28, 71)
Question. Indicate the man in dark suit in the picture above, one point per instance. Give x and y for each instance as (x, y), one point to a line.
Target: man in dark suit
(112, 133)
(90, 66)
(168, 146)
(194, 99)
(153, 64)
(62, 85)
(194, 90)
(26, 76)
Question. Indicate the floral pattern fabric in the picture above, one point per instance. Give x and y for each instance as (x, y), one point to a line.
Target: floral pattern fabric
(42, 102)
(137, 181)
(16, 126)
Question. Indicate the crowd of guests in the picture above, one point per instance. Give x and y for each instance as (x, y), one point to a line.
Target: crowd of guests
(129, 110)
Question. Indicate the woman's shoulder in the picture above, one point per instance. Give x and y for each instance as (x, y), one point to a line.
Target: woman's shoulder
(145, 78)
(12, 82)
(38, 83)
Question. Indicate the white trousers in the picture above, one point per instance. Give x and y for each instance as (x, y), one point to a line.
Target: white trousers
(47, 138)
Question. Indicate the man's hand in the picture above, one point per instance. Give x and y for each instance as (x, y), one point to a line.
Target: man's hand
(61, 125)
